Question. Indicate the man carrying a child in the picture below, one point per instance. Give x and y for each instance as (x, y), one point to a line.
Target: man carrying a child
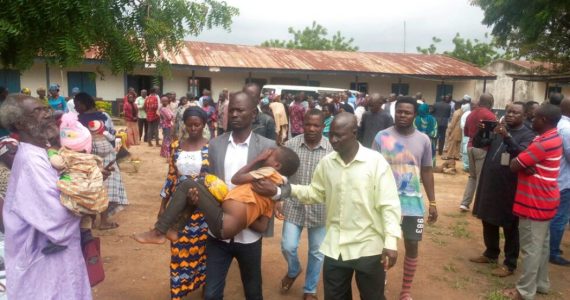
(32, 191)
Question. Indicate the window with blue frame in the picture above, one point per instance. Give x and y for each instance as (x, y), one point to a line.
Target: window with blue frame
(443, 90)
(400, 88)
(85, 81)
(10, 79)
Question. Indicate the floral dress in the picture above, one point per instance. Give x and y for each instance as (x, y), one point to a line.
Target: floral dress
(188, 253)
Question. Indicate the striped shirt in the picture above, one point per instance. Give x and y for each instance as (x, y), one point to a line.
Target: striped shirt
(306, 215)
(537, 196)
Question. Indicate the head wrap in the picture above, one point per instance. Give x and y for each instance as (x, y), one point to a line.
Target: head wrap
(96, 126)
(467, 98)
(195, 111)
(26, 91)
(73, 135)
(53, 87)
(75, 90)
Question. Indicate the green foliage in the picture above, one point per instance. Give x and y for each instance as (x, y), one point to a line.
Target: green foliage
(432, 48)
(477, 52)
(104, 106)
(123, 33)
(531, 28)
(313, 38)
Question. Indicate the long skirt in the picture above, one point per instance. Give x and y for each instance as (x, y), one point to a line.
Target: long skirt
(114, 183)
(166, 140)
(188, 257)
(133, 137)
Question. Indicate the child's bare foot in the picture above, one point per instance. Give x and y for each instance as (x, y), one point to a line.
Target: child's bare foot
(172, 235)
(150, 237)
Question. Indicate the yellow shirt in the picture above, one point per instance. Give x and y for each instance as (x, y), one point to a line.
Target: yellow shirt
(363, 207)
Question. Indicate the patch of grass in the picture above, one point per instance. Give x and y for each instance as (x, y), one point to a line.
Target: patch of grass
(496, 295)
(454, 215)
(459, 230)
(461, 282)
(450, 267)
(438, 241)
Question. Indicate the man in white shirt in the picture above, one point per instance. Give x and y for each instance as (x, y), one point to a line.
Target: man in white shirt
(227, 154)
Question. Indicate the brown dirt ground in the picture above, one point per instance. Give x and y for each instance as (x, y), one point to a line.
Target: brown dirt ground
(135, 271)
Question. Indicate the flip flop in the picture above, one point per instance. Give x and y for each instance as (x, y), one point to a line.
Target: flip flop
(111, 225)
(287, 282)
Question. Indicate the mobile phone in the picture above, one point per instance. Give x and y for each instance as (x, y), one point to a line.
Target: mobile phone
(489, 125)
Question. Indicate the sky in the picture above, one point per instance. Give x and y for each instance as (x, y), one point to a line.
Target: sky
(375, 25)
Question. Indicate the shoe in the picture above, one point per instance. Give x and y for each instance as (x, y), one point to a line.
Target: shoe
(309, 296)
(482, 260)
(559, 260)
(502, 271)
(463, 208)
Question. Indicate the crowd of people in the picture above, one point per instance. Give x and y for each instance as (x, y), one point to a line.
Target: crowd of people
(348, 168)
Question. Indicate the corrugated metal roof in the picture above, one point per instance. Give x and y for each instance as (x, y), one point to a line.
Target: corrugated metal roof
(203, 54)
(531, 65)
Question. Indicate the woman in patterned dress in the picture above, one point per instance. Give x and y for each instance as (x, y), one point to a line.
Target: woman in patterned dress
(189, 159)
(85, 106)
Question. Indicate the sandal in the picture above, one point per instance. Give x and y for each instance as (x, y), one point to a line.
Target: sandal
(287, 282)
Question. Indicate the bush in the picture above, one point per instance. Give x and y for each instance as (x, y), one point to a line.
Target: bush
(107, 106)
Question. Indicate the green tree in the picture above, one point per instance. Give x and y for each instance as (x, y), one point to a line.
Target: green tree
(432, 49)
(314, 38)
(474, 51)
(123, 33)
(530, 28)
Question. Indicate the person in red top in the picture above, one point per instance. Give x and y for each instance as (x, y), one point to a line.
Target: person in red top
(130, 111)
(476, 155)
(297, 115)
(536, 202)
(152, 117)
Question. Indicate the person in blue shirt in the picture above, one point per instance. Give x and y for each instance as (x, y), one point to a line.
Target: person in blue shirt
(55, 101)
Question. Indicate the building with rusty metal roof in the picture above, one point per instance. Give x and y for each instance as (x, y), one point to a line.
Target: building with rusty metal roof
(524, 80)
(214, 66)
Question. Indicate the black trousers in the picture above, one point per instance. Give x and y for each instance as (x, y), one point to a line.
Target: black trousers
(491, 238)
(219, 258)
(441, 129)
(152, 132)
(178, 210)
(337, 278)
(143, 125)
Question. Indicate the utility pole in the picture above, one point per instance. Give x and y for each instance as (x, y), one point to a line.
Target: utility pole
(404, 36)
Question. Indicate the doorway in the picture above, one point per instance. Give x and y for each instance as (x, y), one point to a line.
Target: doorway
(139, 82)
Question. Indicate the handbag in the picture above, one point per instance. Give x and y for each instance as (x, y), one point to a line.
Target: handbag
(93, 261)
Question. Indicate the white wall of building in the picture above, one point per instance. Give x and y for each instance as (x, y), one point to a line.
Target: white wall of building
(110, 87)
(502, 88)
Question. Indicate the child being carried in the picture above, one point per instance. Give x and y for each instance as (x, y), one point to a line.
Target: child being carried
(81, 180)
(239, 209)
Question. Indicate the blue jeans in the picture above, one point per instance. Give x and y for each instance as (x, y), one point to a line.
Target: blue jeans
(289, 245)
(219, 256)
(558, 224)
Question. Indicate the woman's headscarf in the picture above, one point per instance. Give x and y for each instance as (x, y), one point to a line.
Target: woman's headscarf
(425, 122)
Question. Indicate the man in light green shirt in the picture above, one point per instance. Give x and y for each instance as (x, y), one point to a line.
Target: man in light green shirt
(363, 213)
(141, 116)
